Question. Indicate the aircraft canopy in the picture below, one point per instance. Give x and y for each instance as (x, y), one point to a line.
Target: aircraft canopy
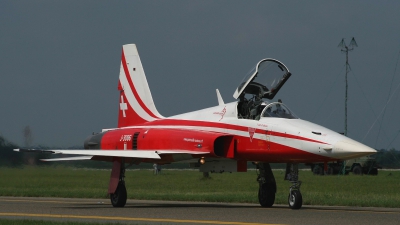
(264, 80)
(277, 109)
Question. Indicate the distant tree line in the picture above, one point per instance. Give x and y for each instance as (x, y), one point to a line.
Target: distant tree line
(389, 159)
(7, 156)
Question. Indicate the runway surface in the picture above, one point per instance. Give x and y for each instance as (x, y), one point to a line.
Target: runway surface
(174, 212)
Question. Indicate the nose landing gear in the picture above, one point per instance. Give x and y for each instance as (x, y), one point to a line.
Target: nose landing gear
(295, 198)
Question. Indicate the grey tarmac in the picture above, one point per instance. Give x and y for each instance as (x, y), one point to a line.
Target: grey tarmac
(176, 212)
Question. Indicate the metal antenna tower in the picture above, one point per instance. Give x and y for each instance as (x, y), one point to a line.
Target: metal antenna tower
(347, 49)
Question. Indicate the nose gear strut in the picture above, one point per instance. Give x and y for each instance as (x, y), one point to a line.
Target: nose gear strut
(295, 198)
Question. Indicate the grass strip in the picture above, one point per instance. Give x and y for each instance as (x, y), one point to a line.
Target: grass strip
(187, 185)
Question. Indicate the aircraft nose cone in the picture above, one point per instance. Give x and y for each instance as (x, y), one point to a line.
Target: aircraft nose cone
(349, 149)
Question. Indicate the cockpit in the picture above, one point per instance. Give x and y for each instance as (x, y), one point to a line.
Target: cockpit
(277, 109)
(263, 81)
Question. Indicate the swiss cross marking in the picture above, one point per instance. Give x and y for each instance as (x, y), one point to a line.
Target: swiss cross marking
(123, 106)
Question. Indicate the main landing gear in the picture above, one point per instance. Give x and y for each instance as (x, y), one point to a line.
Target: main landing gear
(267, 188)
(267, 185)
(118, 198)
(295, 199)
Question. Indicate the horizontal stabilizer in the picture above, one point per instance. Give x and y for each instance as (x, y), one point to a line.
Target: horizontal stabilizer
(68, 158)
(33, 150)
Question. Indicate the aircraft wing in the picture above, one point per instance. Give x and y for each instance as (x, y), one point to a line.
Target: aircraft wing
(88, 154)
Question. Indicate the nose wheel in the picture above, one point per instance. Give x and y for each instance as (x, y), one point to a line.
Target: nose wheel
(295, 199)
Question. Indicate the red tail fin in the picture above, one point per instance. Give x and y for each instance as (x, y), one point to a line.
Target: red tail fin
(135, 101)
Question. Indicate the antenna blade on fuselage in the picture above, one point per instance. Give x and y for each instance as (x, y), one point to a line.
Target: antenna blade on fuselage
(220, 100)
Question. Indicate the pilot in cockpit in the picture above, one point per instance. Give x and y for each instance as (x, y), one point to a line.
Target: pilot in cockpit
(268, 112)
(260, 108)
(279, 109)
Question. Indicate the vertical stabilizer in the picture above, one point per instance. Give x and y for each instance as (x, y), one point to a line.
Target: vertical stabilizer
(135, 101)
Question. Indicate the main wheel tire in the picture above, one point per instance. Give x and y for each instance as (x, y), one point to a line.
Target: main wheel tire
(118, 199)
(266, 195)
(357, 170)
(295, 199)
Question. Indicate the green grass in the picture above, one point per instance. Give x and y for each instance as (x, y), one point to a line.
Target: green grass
(350, 190)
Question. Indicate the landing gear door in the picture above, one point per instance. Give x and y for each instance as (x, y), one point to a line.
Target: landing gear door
(264, 80)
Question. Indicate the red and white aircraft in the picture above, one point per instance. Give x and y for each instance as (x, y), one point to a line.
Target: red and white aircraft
(217, 139)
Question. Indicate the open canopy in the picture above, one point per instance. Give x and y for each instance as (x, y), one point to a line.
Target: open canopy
(264, 80)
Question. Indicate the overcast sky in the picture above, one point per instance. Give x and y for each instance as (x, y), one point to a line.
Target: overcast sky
(59, 61)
